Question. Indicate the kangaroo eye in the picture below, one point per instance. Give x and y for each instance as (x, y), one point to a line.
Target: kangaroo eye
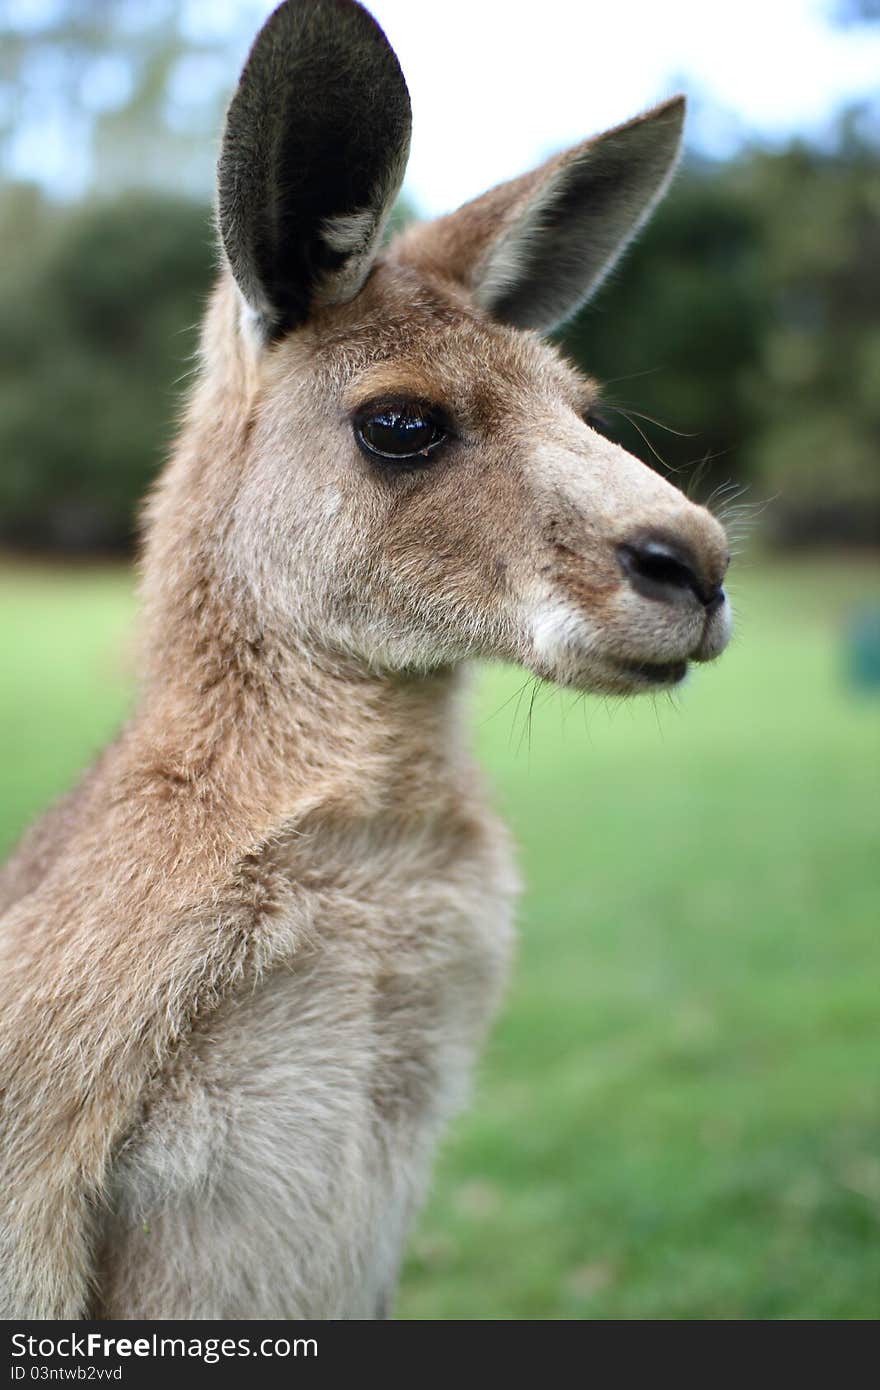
(407, 433)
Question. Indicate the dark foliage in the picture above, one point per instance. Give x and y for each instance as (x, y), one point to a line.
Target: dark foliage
(98, 308)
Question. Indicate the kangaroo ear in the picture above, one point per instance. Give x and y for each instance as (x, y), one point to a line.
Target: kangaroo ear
(533, 250)
(313, 156)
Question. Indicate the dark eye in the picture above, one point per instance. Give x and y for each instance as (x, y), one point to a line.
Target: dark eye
(407, 433)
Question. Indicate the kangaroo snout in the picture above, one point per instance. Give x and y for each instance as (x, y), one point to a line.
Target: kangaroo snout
(638, 576)
(680, 570)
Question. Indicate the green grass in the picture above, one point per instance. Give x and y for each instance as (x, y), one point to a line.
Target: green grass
(678, 1115)
(65, 661)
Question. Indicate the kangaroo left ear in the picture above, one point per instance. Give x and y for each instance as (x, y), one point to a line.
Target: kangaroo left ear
(533, 251)
(313, 156)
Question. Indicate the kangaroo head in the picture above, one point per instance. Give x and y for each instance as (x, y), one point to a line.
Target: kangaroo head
(419, 481)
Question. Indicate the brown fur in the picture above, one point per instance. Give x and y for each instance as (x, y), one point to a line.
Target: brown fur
(290, 833)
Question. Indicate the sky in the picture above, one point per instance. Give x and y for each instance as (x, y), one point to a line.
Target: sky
(497, 85)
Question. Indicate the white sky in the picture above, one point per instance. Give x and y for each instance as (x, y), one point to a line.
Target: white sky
(498, 84)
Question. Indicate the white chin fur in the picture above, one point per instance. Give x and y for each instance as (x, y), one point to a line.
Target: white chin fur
(561, 636)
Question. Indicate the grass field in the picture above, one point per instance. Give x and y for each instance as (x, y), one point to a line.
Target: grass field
(679, 1113)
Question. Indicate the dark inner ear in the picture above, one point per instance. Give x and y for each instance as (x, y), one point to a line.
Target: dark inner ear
(318, 129)
(594, 204)
(552, 272)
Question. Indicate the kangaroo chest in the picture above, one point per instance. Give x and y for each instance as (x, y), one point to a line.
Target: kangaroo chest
(292, 1138)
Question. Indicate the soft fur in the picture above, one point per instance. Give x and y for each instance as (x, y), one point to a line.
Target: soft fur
(248, 963)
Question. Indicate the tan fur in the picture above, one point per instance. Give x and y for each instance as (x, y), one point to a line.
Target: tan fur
(247, 966)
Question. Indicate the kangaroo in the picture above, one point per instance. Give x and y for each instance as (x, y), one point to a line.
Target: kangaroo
(248, 962)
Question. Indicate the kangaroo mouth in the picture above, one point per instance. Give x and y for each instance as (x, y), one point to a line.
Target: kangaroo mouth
(654, 674)
(658, 675)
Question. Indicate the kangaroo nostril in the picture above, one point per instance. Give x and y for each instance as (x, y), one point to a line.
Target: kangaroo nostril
(663, 569)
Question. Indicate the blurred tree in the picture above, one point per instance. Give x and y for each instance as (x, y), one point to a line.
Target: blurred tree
(816, 390)
(98, 307)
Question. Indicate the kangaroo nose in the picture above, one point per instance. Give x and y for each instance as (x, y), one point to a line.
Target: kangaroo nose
(664, 569)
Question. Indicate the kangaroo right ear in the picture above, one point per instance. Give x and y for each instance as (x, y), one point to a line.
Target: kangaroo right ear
(313, 156)
(534, 249)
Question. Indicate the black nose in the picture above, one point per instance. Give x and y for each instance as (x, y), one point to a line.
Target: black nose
(668, 570)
